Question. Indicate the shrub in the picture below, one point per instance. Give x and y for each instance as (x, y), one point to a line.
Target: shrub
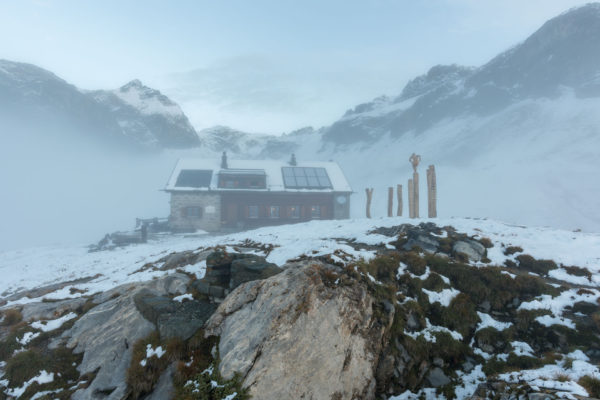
(142, 378)
(11, 317)
(414, 262)
(510, 250)
(591, 385)
(486, 242)
(541, 267)
(578, 271)
(434, 282)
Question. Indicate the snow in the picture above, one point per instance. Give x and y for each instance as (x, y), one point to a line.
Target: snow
(522, 349)
(271, 168)
(548, 320)
(557, 304)
(42, 378)
(50, 325)
(28, 337)
(148, 101)
(488, 321)
(36, 267)
(548, 375)
(469, 382)
(187, 296)
(443, 297)
(427, 393)
(151, 352)
(428, 332)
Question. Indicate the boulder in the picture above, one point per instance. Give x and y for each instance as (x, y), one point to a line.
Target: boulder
(471, 248)
(173, 318)
(50, 310)
(164, 389)
(188, 317)
(425, 242)
(251, 268)
(291, 336)
(105, 335)
(436, 377)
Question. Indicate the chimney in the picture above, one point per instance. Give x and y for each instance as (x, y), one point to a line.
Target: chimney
(293, 162)
(224, 160)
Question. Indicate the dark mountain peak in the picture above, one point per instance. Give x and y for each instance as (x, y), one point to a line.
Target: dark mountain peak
(437, 76)
(135, 84)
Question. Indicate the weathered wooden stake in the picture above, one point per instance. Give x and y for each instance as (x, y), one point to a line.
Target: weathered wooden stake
(431, 192)
(390, 202)
(369, 198)
(399, 194)
(416, 195)
(411, 199)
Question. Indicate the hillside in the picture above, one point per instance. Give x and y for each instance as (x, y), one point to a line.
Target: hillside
(36, 102)
(457, 309)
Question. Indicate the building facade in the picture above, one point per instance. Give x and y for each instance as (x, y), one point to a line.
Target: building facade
(210, 195)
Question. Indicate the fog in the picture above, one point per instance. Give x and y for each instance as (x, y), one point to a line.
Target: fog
(68, 183)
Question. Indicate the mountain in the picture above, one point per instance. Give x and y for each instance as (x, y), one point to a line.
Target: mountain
(563, 54)
(133, 116)
(517, 139)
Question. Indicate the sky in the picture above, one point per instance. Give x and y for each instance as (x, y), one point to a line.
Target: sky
(263, 66)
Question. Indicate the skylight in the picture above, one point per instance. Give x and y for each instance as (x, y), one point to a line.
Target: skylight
(305, 178)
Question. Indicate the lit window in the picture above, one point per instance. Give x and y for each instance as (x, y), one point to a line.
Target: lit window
(273, 212)
(252, 211)
(192, 212)
(315, 212)
(294, 211)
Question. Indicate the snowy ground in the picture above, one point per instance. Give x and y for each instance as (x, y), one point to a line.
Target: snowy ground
(38, 267)
(32, 268)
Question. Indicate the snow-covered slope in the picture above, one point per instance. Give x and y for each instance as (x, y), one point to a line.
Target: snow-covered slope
(524, 323)
(148, 117)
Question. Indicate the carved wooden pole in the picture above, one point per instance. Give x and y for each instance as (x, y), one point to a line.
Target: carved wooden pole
(399, 194)
(411, 199)
(390, 202)
(413, 187)
(431, 192)
(369, 198)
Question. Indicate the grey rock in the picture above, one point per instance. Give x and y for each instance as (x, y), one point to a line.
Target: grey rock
(164, 389)
(152, 306)
(105, 335)
(437, 377)
(188, 317)
(251, 268)
(485, 306)
(472, 249)
(50, 310)
(291, 338)
(438, 362)
(540, 396)
(426, 243)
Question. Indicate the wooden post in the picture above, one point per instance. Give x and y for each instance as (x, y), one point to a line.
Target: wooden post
(431, 192)
(416, 195)
(399, 194)
(411, 199)
(390, 202)
(369, 198)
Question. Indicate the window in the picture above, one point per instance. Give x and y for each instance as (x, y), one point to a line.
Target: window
(294, 212)
(192, 212)
(315, 212)
(305, 178)
(253, 212)
(273, 211)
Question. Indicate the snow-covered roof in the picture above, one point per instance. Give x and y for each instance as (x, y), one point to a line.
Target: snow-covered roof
(272, 170)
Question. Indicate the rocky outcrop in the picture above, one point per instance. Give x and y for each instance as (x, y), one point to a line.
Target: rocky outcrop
(300, 335)
(106, 333)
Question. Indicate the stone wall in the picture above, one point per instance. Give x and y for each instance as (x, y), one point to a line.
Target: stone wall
(211, 212)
